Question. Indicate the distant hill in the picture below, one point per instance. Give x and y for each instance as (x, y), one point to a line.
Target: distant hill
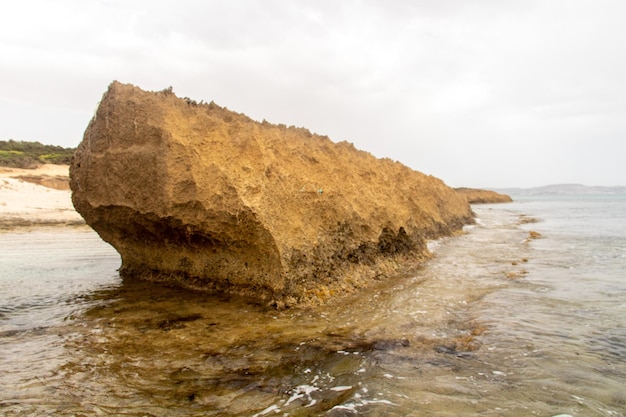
(563, 189)
(19, 154)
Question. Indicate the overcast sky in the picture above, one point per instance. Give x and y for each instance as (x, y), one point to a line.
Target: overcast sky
(486, 93)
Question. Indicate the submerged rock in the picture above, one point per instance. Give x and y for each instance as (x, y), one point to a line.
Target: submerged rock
(198, 194)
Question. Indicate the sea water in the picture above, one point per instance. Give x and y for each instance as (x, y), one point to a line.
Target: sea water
(501, 322)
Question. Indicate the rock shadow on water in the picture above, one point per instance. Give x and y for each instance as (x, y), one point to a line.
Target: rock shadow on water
(159, 347)
(168, 347)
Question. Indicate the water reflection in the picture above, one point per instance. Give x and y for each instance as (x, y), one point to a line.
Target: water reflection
(475, 332)
(192, 351)
(159, 348)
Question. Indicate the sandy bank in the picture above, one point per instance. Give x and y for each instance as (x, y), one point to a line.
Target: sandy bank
(31, 197)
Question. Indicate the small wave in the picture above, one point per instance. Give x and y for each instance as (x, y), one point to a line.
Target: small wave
(433, 245)
(18, 332)
(359, 402)
(612, 344)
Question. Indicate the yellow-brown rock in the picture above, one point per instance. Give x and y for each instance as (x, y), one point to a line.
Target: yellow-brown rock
(198, 194)
(478, 196)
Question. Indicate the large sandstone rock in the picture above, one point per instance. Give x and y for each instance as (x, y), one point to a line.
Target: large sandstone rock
(201, 195)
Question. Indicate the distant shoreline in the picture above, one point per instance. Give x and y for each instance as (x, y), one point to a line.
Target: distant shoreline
(564, 189)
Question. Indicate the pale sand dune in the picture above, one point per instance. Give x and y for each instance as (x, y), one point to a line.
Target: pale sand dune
(25, 203)
(47, 169)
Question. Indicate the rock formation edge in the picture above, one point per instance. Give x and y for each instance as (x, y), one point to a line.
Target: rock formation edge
(478, 196)
(209, 198)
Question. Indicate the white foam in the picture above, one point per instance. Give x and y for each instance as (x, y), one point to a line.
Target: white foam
(268, 410)
(353, 406)
(341, 388)
(300, 392)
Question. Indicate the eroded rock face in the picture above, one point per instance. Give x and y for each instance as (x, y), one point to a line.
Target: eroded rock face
(207, 197)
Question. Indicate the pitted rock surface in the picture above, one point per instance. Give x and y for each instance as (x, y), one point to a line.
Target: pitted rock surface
(197, 194)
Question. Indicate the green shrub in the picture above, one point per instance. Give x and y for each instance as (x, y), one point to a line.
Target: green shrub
(19, 154)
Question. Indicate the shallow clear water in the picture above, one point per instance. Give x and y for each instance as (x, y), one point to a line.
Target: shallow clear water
(497, 324)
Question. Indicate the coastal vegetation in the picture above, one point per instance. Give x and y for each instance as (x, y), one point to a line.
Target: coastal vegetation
(23, 154)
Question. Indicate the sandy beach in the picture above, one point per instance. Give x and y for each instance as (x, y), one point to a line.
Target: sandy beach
(32, 197)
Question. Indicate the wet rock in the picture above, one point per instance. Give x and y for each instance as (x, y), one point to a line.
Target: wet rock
(390, 344)
(199, 195)
(450, 350)
(177, 322)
